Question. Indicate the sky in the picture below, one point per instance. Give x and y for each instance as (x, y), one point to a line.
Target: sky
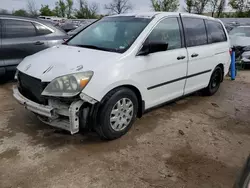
(139, 5)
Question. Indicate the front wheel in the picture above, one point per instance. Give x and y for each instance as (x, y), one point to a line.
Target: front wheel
(214, 82)
(117, 114)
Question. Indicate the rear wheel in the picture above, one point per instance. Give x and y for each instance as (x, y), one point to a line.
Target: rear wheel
(214, 83)
(117, 114)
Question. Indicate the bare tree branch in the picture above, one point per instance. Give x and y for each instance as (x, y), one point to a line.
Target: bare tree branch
(221, 8)
(118, 6)
(213, 6)
(199, 6)
(32, 9)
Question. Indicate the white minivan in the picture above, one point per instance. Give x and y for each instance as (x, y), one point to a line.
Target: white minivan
(113, 71)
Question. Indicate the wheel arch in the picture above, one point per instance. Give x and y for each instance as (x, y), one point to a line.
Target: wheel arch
(223, 70)
(141, 102)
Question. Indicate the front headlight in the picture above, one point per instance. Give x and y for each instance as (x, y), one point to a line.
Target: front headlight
(68, 85)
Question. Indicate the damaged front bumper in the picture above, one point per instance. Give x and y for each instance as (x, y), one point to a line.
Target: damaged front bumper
(56, 114)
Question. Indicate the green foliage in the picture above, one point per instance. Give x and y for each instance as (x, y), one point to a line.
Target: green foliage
(86, 11)
(165, 5)
(20, 12)
(45, 11)
(241, 8)
(189, 5)
(60, 9)
(69, 8)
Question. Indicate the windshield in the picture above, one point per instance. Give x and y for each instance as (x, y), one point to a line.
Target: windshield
(81, 27)
(114, 34)
(240, 31)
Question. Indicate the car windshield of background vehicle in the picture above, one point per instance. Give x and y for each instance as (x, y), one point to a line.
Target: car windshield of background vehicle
(115, 34)
(241, 31)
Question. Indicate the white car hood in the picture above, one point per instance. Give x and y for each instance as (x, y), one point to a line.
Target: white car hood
(239, 41)
(62, 60)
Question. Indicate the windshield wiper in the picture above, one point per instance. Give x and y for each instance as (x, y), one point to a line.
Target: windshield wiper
(95, 47)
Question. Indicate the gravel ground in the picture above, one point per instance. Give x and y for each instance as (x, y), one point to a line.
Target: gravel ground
(195, 142)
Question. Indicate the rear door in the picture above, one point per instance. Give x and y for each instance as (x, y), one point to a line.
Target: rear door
(200, 54)
(218, 40)
(19, 41)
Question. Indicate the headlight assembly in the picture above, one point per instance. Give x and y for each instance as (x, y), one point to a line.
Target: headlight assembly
(68, 85)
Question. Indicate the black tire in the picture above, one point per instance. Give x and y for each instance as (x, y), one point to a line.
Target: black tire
(214, 83)
(103, 127)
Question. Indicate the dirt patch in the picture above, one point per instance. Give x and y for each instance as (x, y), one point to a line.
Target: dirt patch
(194, 142)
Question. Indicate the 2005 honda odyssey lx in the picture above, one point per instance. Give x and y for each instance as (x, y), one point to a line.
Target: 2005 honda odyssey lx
(111, 72)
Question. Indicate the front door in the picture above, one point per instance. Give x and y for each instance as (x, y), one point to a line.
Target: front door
(19, 41)
(165, 72)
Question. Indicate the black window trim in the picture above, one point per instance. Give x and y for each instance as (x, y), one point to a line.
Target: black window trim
(163, 18)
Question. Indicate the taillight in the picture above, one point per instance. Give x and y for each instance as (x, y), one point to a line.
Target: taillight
(230, 51)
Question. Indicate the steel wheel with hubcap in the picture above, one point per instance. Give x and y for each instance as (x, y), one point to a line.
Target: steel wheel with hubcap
(117, 113)
(121, 114)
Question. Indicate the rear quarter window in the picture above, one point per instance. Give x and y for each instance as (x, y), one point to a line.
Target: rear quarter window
(41, 30)
(216, 32)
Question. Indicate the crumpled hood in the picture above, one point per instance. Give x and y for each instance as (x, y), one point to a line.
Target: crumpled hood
(239, 41)
(62, 60)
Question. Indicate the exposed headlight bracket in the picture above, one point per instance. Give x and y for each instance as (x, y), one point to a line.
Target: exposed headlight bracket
(88, 98)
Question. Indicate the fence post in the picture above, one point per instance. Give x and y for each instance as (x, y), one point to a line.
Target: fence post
(233, 67)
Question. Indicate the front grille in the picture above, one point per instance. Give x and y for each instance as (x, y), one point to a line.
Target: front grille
(31, 88)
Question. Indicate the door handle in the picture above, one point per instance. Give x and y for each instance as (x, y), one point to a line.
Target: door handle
(181, 57)
(39, 43)
(194, 55)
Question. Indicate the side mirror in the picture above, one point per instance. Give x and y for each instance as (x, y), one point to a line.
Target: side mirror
(153, 47)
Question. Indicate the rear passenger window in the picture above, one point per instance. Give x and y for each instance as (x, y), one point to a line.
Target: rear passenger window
(195, 31)
(167, 31)
(215, 32)
(42, 30)
(18, 29)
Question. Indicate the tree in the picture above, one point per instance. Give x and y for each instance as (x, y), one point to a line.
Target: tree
(199, 6)
(87, 11)
(165, 5)
(221, 8)
(60, 9)
(189, 5)
(45, 11)
(214, 6)
(118, 6)
(31, 7)
(20, 12)
(240, 6)
(69, 8)
(4, 11)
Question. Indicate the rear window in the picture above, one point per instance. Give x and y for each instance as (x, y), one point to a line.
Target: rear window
(216, 32)
(18, 29)
(195, 31)
(241, 31)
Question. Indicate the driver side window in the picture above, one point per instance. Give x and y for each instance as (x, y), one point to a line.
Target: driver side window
(167, 31)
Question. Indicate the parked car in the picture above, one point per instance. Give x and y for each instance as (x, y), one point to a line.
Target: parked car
(244, 179)
(121, 66)
(240, 36)
(69, 25)
(21, 37)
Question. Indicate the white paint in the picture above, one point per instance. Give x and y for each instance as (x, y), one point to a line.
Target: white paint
(112, 70)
